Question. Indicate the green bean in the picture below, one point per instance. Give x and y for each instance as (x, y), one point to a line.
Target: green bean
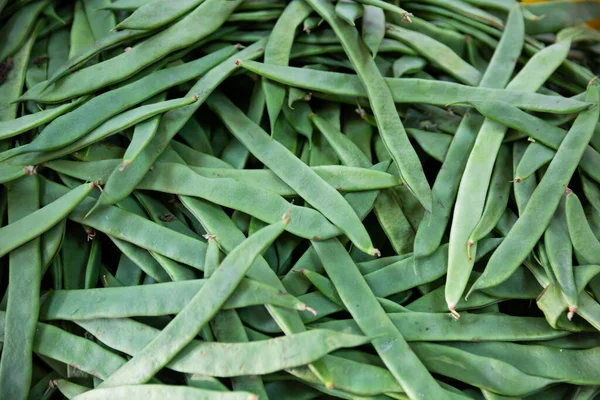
(225, 359)
(497, 197)
(60, 345)
(290, 390)
(15, 31)
(142, 259)
(196, 158)
(128, 5)
(153, 16)
(591, 191)
(445, 188)
(425, 327)
(432, 49)
(555, 16)
(433, 143)
(70, 389)
(78, 60)
(142, 134)
(271, 152)
(277, 52)
(132, 228)
(479, 370)
(121, 183)
(99, 109)
(552, 136)
(23, 295)
(156, 209)
(51, 242)
(392, 348)
(214, 219)
(406, 90)
(560, 256)
(405, 15)
(170, 341)
(349, 10)
(210, 15)
(471, 194)
(151, 300)
(536, 156)
(101, 21)
(58, 49)
(13, 83)
(390, 126)
(387, 209)
(17, 126)
(544, 201)
(262, 15)
(128, 272)
(92, 269)
(38, 222)
(154, 391)
(572, 366)
(431, 229)
(373, 28)
(585, 243)
(406, 65)
(81, 36)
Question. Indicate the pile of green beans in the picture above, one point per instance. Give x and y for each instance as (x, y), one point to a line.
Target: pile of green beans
(299, 199)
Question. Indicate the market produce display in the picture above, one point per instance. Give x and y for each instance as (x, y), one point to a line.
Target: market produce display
(305, 199)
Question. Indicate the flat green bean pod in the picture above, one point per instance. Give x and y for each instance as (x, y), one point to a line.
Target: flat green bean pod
(431, 49)
(210, 16)
(427, 327)
(38, 222)
(155, 391)
(411, 90)
(151, 300)
(132, 228)
(63, 346)
(293, 171)
(389, 124)
(584, 241)
(544, 201)
(201, 308)
(152, 16)
(17, 126)
(573, 366)
(14, 32)
(226, 359)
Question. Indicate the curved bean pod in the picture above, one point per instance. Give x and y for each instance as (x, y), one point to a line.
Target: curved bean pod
(560, 256)
(155, 392)
(389, 124)
(411, 90)
(132, 228)
(15, 31)
(17, 126)
(293, 171)
(38, 222)
(374, 322)
(23, 295)
(349, 10)
(60, 345)
(209, 16)
(153, 16)
(437, 53)
(226, 359)
(538, 129)
(480, 371)
(536, 156)
(544, 201)
(152, 300)
(203, 306)
(582, 236)
(121, 183)
(475, 180)
(427, 327)
(497, 197)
